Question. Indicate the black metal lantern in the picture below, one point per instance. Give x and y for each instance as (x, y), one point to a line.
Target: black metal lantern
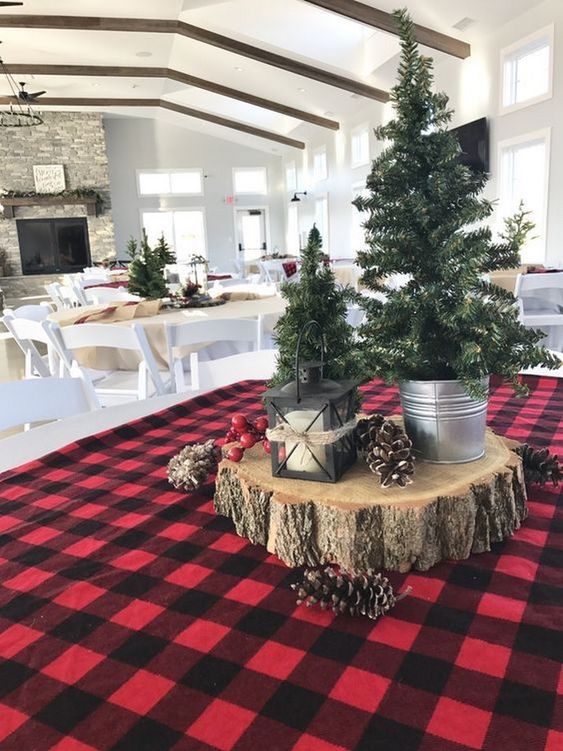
(311, 422)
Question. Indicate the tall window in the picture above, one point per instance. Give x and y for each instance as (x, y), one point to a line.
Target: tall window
(293, 230)
(524, 176)
(360, 146)
(176, 182)
(184, 230)
(250, 180)
(358, 219)
(320, 164)
(527, 70)
(321, 220)
(290, 177)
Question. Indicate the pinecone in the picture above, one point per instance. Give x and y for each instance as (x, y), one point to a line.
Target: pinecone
(539, 465)
(387, 450)
(192, 466)
(367, 594)
(366, 431)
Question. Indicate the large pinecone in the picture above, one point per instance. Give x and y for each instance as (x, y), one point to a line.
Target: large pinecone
(192, 466)
(352, 593)
(539, 465)
(387, 450)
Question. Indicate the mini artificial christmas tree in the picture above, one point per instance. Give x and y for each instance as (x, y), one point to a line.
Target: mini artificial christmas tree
(146, 270)
(316, 297)
(426, 218)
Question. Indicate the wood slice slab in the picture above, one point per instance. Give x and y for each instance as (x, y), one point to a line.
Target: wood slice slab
(449, 511)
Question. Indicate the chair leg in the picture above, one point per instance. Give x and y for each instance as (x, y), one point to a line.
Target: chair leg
(143, 381)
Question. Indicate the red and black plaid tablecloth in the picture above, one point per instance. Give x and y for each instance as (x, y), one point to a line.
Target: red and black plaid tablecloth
(132, 618)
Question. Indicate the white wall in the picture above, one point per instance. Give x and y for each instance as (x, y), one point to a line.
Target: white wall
(473, 86)
(136, 143)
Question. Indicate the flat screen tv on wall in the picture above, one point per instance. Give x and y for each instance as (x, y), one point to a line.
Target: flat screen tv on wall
(474, 142)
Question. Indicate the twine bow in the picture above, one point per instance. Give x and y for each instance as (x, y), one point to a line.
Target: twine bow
(285, 432)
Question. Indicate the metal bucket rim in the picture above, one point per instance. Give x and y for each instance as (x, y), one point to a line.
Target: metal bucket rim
(445, 380)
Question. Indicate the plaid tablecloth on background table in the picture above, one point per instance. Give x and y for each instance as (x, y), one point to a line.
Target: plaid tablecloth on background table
(132, 618)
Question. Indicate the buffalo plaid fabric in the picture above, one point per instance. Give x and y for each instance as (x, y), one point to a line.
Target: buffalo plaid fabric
(132, 618)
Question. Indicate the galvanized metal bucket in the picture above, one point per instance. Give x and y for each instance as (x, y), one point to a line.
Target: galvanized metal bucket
(445, 425)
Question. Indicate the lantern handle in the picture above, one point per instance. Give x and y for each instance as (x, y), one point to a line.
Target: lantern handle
(304, 330)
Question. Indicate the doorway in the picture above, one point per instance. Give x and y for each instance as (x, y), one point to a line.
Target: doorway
(251, 233)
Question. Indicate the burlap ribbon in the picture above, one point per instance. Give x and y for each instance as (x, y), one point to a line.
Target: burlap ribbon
(284, 432)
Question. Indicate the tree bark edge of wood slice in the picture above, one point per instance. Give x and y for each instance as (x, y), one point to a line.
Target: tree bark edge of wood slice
(305, 523)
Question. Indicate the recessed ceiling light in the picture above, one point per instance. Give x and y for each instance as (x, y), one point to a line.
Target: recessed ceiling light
(464, 24)
(302, 91)
(238, 68)
(96, 85)
(143, 53)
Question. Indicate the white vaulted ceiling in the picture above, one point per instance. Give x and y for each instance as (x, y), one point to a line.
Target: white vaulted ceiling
(292, 28)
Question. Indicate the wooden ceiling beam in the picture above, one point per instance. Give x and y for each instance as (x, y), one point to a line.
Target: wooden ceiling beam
(379, 19)
(163, 104)
(159, 26)
(173, 75)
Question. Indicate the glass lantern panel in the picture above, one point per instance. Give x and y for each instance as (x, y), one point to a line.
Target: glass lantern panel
(302, 459)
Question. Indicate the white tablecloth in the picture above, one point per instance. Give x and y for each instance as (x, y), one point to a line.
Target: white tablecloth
(110, 359)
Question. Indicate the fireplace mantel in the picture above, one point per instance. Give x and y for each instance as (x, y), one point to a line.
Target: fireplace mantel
(10, 204)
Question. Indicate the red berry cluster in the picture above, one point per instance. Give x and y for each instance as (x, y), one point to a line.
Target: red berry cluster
(247, 434)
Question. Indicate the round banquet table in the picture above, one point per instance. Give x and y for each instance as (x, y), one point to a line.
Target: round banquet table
(101, 358)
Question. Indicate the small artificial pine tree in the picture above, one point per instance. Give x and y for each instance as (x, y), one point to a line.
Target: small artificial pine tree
(146, 270)
(426, 218)
(315, 297)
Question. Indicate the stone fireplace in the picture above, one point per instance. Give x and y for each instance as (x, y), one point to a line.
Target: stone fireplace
(77, 141)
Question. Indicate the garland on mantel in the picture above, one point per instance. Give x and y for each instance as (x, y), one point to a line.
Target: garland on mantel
(70, 193)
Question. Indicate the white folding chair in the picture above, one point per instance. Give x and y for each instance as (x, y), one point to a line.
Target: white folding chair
(53, 292)
(95, 273)
(103, 295)
(259, 365)
(26, 332)
(540, 297)
(242, 330)
(31, 312)
(42, 399)
(117, 383)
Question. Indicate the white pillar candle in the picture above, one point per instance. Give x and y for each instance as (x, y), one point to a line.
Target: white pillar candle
(302, 460)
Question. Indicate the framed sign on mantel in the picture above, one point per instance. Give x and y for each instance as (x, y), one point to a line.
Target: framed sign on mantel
(49, 178)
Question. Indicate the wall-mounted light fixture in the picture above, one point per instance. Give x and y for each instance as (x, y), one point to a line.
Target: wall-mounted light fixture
(296, 198)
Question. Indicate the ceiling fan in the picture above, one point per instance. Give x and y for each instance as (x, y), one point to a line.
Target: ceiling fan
(25, 96)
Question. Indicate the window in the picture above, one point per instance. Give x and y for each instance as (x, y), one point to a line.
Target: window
(527, 70)
(293, 230)
(250, 180)
(360, 146)
(320, 164)
(358, 219)
(178, 182)
(524, 176)
(290, 177)
(321, 219)
(184, 230)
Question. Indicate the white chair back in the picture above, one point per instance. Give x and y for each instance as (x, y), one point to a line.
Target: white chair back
(246, 366)
(68, 339)
(41, 399)
(103, 295)
(25, 332)
(69, 296)
(199, 332)
(53, 292)
(540, 292)
(94, 272)
(31, 312)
